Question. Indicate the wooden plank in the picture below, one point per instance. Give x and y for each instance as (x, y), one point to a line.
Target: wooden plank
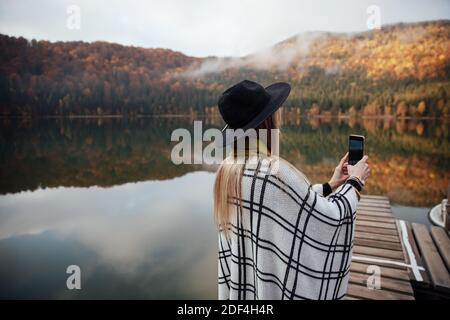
(386, 271)
(376, 219)
(374, 199)
(381, 213)
(385, 283)
(364, 195)
(378, 204)
(376, 224)
(369, 205)
(356, 290)
(378, 244)
(442, 242)
(379, 261)
(371, 196)
(415, 252)
(375, 230)
(374, 202)
(377, 252)
(348, 297)
(377, 208)
(372, 236)
(435, 266)
(373, 208)
(374, 213)
(384, 205)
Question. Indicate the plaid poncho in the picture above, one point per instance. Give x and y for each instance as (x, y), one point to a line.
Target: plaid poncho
(289, 241)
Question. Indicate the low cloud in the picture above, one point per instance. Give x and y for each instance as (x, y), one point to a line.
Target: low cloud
(278, 57)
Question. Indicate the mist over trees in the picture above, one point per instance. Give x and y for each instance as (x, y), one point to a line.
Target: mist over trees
(401, 70)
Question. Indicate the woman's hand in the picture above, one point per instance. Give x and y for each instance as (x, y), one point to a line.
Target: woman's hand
(360, 170)
(340, 173)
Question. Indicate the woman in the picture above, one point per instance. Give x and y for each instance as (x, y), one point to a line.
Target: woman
(279, 236)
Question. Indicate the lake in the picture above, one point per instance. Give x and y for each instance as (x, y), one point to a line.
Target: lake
(103, 194)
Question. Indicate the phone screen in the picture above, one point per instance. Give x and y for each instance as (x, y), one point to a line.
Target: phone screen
(355, 149)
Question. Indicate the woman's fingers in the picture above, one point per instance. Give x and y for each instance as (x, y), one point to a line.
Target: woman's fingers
(345, 168)
(344, 159)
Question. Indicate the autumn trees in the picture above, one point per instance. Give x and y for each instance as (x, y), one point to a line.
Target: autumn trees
(401, 70)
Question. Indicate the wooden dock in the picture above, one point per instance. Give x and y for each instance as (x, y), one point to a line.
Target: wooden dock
(431, 249)
(394, 260)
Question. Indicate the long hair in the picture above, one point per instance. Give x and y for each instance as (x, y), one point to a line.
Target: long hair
(227, 186)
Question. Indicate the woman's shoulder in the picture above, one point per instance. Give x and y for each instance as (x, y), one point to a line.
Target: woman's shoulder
(280, 169)
(288, 171)
(280, 181)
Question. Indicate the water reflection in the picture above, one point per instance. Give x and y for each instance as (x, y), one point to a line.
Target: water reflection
(103, 194)
(130, 241)
(107, 152)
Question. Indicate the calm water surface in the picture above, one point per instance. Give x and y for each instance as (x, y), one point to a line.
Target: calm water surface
(103, 194)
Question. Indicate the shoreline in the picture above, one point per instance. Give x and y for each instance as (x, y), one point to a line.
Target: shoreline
(203, 115)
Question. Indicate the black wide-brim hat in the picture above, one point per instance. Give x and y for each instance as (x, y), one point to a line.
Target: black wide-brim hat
(246, 105)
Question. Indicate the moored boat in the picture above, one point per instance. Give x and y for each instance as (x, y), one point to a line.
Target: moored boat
(438, 213)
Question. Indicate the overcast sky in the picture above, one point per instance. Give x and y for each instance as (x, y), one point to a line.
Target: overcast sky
(204, 27)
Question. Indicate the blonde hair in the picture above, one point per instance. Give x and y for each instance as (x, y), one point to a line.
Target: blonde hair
(227, 186)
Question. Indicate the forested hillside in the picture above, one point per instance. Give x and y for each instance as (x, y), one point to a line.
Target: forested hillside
(400, 70)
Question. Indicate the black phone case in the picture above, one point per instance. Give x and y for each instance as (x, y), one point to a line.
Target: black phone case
(354, 157)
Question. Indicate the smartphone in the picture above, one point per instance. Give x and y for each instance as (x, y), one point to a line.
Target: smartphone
(355, 148)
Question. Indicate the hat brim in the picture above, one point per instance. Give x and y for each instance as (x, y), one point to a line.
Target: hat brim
(278, 94)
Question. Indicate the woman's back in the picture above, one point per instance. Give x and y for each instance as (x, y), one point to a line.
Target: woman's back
(287, 241)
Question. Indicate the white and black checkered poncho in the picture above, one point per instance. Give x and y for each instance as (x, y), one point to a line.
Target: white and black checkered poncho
(289, 241)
